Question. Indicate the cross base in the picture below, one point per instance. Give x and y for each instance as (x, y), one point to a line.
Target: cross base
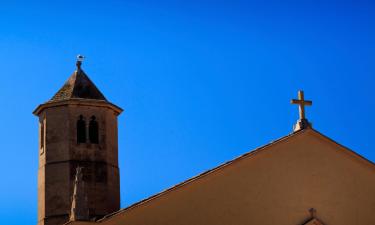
(302, 124)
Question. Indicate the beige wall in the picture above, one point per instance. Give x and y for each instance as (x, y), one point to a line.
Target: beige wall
(276, 185)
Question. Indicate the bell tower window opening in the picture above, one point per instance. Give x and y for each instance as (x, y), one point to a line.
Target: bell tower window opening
(93, 131)
(81, 130)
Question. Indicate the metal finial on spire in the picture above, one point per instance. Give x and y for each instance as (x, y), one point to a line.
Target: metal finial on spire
(80, 59)
(302, 123)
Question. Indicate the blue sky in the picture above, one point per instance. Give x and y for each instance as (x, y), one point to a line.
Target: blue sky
(201, 82)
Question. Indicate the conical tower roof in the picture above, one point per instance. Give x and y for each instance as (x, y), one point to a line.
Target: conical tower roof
(78, 89)
(78, 86)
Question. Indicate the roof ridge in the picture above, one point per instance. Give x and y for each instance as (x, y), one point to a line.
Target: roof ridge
(348, 150)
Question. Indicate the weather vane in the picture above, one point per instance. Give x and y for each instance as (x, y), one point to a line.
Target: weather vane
(80, 59)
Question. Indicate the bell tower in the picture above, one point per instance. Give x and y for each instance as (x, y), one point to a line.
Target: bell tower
(77, 131)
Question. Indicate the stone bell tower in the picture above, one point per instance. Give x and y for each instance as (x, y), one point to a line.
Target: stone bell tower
(77, 129)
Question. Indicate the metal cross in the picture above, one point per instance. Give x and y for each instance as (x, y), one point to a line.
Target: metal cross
(312, 212)
(302, 103)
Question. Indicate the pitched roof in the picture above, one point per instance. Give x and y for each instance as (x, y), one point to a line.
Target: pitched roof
(78, 86)
(231, 162)
(208, 172)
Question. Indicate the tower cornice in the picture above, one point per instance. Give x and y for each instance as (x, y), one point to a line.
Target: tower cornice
(80, 102)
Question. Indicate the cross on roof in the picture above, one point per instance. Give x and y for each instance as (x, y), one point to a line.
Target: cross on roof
(302, 103)
(312, 212)
(302, 122)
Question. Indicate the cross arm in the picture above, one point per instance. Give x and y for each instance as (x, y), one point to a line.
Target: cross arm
(301, 102)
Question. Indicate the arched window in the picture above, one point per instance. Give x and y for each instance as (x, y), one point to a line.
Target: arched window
(93, 131)
(81, 130)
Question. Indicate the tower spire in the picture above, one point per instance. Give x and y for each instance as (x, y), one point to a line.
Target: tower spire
(78, 86)
(79, 210)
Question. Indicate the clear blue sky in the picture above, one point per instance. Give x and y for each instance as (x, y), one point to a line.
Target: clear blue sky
(201, 82)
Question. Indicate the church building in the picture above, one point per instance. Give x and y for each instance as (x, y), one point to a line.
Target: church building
(303, 178)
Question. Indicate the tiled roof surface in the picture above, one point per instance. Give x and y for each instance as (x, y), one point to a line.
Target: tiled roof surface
(78, 85)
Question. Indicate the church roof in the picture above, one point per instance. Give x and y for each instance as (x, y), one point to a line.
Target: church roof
(78, 86)
(236, 160)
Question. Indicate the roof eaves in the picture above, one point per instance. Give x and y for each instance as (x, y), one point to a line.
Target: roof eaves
(348, 150)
